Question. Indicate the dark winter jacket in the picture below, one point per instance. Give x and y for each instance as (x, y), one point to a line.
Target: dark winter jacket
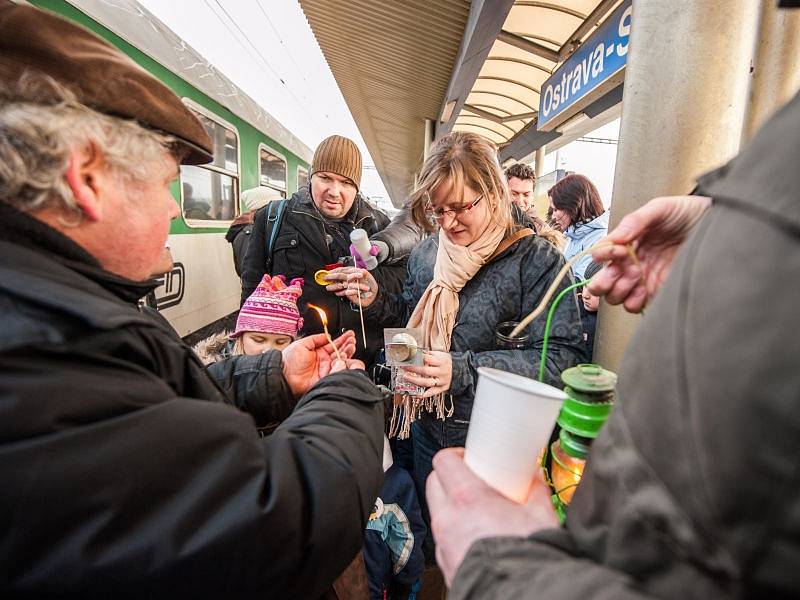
(692, 489)
(506, 289)
(301, 248)
(238, 236)
(218, 347)
(401, 236)
(127, 472)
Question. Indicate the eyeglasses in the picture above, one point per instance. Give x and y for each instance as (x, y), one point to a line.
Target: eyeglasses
(440, 214)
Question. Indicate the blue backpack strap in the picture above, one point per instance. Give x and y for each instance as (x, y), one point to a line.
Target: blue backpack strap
(274, 221)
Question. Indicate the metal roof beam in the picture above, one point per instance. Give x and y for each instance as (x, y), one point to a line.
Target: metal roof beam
(490, 126)
(492, 107)
(551, 6)
(483, 113)
(524, 44)
(476, 126)
(574, 40)
(525, 141)
(485, 22)
(528, 115)
(507, 80)
(527, 63)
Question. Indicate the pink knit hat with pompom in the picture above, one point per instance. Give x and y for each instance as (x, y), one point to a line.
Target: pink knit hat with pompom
(272, 308)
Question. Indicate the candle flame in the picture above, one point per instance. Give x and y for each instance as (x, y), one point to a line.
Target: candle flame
(322, 316)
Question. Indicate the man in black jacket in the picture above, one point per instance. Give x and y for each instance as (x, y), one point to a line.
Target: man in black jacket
(127, 471)
(313, 231)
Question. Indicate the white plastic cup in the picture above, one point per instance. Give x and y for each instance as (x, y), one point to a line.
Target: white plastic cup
(512, 419)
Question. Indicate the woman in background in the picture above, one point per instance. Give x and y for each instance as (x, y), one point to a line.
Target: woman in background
(577, 210)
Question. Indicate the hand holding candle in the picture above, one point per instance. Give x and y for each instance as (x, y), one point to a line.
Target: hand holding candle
(324, 318)
(642, 247)
(363, 256)
(349, 282)
(311, 358)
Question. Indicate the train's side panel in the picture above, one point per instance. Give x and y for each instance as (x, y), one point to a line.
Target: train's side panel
(203, 286)
(209, 287)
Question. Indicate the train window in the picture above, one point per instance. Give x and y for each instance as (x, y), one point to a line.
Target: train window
(302, 177)
(226, 146)
(272, 169)
(210, 193)
(207, 195)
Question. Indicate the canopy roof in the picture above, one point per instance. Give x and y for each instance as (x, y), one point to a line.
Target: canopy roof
(466, 67)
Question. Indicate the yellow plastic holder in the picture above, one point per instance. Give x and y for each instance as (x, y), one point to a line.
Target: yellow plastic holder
(321, 277)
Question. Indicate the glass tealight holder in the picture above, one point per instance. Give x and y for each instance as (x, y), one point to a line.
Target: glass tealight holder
(503, 339)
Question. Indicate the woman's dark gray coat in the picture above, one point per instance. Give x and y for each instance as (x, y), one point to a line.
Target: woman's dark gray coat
(506, 289)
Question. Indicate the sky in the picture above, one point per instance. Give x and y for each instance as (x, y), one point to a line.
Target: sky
(592, 159)
(267, 48)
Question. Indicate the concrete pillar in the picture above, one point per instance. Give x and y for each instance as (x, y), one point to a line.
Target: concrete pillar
(538, 164)
(776, 66)
(683, 109)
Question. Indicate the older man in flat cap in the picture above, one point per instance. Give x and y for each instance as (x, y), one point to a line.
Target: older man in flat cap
(126, 470)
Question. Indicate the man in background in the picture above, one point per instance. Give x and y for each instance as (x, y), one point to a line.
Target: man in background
(521, 180)
(313, 232)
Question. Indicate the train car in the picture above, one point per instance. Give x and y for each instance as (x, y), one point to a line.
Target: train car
(250, 148)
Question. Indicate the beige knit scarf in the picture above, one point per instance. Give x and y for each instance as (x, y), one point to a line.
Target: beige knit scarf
(435, 314)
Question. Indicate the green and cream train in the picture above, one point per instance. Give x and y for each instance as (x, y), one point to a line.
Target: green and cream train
(250, 148)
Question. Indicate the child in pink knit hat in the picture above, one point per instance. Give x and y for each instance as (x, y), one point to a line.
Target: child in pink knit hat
(269, 319)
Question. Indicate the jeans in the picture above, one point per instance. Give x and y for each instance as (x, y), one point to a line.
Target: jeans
(425, 446)
(403, 453)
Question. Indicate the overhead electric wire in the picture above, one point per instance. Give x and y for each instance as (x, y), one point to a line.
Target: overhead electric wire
(280, 39)
(259, 54)
(286, 48)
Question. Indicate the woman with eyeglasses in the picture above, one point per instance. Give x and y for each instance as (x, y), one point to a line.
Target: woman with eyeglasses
(478, 271)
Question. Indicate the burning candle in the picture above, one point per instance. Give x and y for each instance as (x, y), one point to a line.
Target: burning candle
(324, 318)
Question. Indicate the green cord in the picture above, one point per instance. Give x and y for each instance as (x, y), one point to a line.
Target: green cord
(549, 322)
(558, 504)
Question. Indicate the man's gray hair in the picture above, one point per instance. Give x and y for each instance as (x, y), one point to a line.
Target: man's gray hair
(41, 122)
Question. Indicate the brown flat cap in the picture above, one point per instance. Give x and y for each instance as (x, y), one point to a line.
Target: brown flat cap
(101, 76)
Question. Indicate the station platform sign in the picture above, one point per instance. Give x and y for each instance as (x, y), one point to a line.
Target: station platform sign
(595, 68)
